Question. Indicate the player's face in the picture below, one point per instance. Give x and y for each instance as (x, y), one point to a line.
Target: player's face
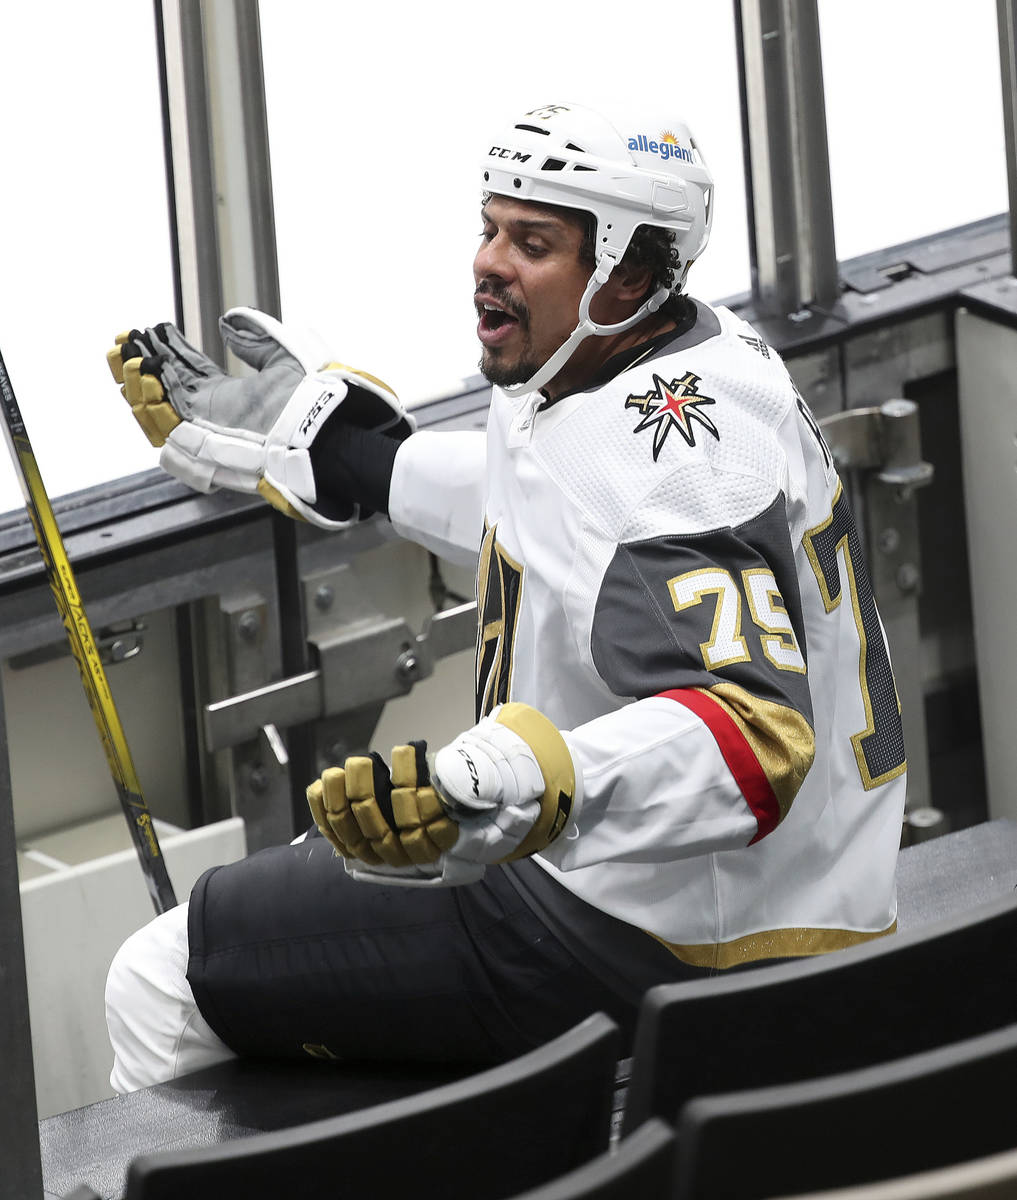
(529, 281)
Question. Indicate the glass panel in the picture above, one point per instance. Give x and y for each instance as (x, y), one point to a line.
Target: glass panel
(377, 124)
(84, 240)
(915, 118)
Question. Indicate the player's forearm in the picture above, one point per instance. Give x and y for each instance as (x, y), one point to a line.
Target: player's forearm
(663, 781)
(437, 492)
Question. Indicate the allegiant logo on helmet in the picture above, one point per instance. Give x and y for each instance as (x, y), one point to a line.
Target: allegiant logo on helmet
(666, 148)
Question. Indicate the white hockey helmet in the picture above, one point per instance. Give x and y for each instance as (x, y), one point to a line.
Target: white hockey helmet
(626, 172)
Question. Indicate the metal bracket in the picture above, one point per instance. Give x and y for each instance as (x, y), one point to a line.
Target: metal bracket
(885, 439)
(367, 659)
(885, 443)
(116, 643)
(120, 642)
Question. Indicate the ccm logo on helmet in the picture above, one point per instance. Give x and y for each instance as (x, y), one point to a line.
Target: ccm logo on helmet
(513, 155)
(667, 147)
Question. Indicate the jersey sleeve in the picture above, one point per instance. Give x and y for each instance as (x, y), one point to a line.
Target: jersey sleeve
(437, 492)
(704, 633)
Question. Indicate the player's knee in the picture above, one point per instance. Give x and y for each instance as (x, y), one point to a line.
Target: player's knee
(147, 971)
(123, 987)
(122, 979)
(145, 990)
(126, 987)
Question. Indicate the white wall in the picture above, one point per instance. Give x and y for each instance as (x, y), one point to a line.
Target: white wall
(914, 117)
(84, 237)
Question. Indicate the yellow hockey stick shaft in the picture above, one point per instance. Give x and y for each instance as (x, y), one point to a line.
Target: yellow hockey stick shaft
(83, 647)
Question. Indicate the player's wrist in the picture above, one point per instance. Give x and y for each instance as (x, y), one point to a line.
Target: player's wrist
(353, 465)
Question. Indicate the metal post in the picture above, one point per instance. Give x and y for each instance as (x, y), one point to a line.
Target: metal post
(220, 177)
(21, 1175)
(221, 188)
(1006, 13)
(238, 126)
(191, 173)
(787, 161)
(250, 275)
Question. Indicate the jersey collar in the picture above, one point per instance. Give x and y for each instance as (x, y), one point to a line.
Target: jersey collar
(694, 323)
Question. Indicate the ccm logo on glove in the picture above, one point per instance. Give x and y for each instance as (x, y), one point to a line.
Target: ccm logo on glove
(452, 781)
(316, 409)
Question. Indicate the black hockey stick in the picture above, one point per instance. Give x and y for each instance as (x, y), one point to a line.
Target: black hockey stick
(83, 647)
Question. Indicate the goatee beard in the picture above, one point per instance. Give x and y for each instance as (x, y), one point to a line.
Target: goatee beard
(507, 374)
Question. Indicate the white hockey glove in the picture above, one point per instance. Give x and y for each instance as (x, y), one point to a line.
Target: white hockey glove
(252, 433)
(502, 790)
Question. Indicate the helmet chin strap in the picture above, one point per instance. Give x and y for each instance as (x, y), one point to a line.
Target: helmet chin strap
(586, 327)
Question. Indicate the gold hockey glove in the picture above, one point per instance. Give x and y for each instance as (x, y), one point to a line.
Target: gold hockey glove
(502, 790)
(254, 433)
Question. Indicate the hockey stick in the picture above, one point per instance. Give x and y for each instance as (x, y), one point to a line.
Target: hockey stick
(83, 647)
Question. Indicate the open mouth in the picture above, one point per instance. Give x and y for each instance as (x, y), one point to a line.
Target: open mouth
(492, 319)
(496, 325)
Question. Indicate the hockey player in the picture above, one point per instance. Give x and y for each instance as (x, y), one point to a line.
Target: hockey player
(688, 751)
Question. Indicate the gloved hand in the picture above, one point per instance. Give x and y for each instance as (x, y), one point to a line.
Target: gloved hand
(502, 790)
(255, 433)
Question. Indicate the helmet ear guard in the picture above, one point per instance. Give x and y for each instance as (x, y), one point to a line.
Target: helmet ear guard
(568, 156)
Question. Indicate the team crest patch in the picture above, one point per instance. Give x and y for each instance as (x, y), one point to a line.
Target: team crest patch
(673, 405)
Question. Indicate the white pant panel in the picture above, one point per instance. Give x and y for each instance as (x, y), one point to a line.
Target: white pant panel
(154, 1025)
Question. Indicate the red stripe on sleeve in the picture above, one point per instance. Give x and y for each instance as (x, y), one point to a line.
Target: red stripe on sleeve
(737, 753)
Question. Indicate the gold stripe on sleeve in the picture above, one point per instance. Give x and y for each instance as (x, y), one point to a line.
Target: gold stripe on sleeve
(779, 736)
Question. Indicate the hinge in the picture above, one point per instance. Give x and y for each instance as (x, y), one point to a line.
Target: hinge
(884, 439)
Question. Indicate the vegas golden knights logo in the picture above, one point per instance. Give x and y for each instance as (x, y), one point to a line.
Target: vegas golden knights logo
(499, 587)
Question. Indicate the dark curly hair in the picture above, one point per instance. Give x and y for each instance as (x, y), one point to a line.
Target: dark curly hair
(650, 247)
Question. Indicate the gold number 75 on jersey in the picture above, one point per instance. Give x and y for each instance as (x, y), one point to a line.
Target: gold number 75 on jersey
(726, 643)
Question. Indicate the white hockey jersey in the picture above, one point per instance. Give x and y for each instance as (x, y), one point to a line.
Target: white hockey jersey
(668, 568)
